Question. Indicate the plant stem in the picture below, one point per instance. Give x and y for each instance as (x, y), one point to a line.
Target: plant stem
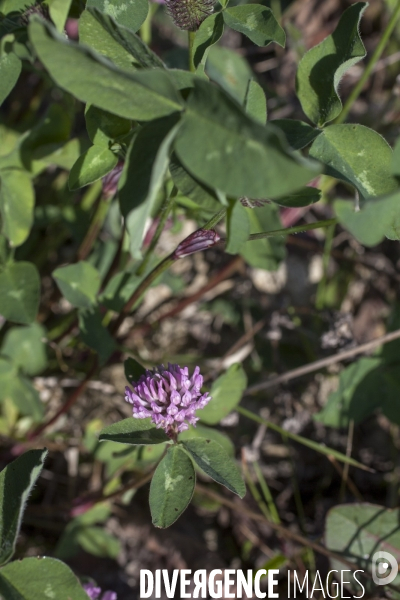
(368, 69)
(266, 493)
(156, 272)
(292, 230)
(191, 36)
(164, 212)
(301, 440)
(215, 219)
(94, 228)
(255, 493)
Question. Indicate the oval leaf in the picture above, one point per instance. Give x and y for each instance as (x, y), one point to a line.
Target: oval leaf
(91, 78)
(78, 283)
(226, 392)
(133, 431)
(377, 218)
(143, 174)
(216, 463)
(232, 152)
(321, 68)
(129, 13)
(360, 530)
(94, 164)
(208, 34)
(172, 487)
(16, 483)
(42, 577)
(357, 155)
(10, 69)
(257, 22)
(255, 102)
(19, 292)
(17, 199)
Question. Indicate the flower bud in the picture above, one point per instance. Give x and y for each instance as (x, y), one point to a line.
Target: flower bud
(189, 14)
(196, 242)
(110, 181)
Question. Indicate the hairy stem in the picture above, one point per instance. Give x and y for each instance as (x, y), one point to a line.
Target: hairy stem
(191, 36)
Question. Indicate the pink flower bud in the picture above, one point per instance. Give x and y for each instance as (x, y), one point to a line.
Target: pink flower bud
(196, 242)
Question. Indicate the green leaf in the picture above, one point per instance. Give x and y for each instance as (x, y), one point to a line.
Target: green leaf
(78, 283)
(339, 410)
(396, 159)
(357, 155)
(25, 397)
(201, 431)
(230, 70)
(98, 542)
(94, 334)
(257, 22)
(226, 392)
(103, 127)
(143, 175)
(25, 347)
(358, 531)
(377, 218)
(232, 152)
(91, 78)
(16, 483)
(237, 227)
(255, 102)
(17, 199)
(59, 10)
(216, 463)
(364, 386)
(19, 292)
(208, 34)
(133, 370)
(91, 166)
(298, 134)
(129, 13)
(10, 68)
(303, 197)
(172, 487)
(121, 45)
(321, 68)
(133, 431)
(93, 33)
(191, 187)
(266, 253)
(42, 577)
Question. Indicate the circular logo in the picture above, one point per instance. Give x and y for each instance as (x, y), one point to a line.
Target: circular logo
(384, 568)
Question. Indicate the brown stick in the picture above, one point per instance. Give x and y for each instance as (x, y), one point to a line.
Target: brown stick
(324, 362)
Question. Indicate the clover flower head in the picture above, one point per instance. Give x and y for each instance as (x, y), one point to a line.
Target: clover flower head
(169, 397)
(94, 592)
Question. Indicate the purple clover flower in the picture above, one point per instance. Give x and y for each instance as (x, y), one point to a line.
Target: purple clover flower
(94, 592)
(169, 397)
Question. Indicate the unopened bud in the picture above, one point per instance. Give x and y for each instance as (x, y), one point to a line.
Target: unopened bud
(196, 242)
(110, 181)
